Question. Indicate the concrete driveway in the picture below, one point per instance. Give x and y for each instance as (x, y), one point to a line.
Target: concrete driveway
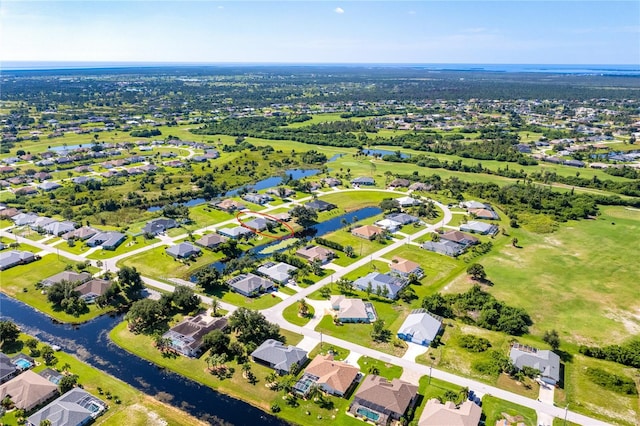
(413, 351)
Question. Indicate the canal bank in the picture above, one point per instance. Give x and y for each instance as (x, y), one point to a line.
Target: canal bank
(90, 342)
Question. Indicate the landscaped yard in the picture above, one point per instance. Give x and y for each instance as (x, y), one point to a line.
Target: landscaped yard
(291, 314)
(155, 263)
(135, 409)
(17, 279)
(493, 408)
(130, 244)
(256, 394)
(389, 371)
(357, 199)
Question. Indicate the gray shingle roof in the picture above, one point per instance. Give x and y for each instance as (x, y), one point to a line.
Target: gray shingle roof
(279, 356)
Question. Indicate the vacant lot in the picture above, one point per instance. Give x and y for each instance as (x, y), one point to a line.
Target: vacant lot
(578, 280)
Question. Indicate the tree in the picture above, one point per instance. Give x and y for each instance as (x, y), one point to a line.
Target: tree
(48, 355)
(304, 216)
(379, 333)
(477, 272)
(215, 306)
(369, 289)
(252, 328)
(67, 382)
(162, 343)
(129, 276)
(185, 298)
(514, 242)
(348, 251)
(316, 267)
(9, 333)
(389, 205)
(552, 339)
(216, 341)
(32, 344)
(144, 314)
(385, 292)
(303, 308)
(345, 286)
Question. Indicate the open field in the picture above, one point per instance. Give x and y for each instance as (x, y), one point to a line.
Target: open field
(493, 408)
(136, 408)
(592, 304)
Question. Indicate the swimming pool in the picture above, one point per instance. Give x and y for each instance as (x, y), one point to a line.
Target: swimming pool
(23, 363)
(371, 415)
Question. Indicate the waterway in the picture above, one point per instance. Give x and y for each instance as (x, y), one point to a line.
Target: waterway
(90, 342)
(317, 230)
(383, 152)
(273, 181)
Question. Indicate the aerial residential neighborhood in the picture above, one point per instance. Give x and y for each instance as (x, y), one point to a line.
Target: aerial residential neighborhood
(285, 241)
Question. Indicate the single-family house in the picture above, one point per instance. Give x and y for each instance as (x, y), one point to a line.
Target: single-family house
(402, 218)
(408, 201)
(368, 232)
(211, 241)
(58, 228)
(51, 375)
(419, 186)
(574, 163)
(388, 225)
(8, 369)
(75, 408)
(257, 224)
(320, 205)
(404, 268)
(333, 377)
(436, 413)
(229, 205)
(83, 233)
(186, 336)
(25, 190)
(22, 219)
(546, 362)
(420, 327)
(364, 180)
(331, 182)
(486, 213)
(40, 223)
(69, 276)
(183, 250)
(393, 284)
(400, 183)
(281, 191)
(473, 205)
(382, 401)
(235, 232)
(249, 284)
(9, 213)
(476, 227)
(92, 289)
(158, 226)
(108, 240)
(278, 272)
(28, 390)
(281, 358)
(255, 198)
(445, 247)
(49, 186)
(313, 253)
(459, 238)
(352, 310)
(13, 258)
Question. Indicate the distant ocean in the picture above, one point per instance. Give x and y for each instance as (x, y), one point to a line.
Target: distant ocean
(592, 69)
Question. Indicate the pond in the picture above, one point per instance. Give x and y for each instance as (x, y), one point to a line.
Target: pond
(68, 147)
(90, 342)
(273, 181)
(317, 230)
(383, 152)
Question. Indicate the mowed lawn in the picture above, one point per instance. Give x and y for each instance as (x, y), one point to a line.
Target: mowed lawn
(578, 280)
(357, 199)
(14, 281)
(156, 263)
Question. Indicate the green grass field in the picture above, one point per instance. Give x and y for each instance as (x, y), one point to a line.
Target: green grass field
(21, 277)
(291, 314)
(388, 371)
(493, 408)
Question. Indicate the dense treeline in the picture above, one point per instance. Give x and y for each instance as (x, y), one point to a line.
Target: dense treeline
(625, 354)
(612, 381)
(481, 308)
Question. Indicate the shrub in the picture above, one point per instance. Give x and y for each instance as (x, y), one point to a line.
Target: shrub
(473, 343)
(613, 382)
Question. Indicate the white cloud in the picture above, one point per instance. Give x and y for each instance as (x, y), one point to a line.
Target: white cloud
(339, 10)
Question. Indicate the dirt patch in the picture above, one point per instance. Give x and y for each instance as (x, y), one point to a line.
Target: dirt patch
(152, 417)
(630, 320)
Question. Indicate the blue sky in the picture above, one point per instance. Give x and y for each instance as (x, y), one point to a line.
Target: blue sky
(521, 32)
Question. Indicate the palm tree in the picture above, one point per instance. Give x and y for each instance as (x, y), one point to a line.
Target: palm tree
(215, 305)
(246, 368)
(303, 308)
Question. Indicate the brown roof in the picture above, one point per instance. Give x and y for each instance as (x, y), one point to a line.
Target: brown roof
(338, 375)
(95, 286)
(457, 236)
(367, 231)
(468, 414)
(28, 390)
(230, 204)
(315, 252)
(83, 233)
(403, 265)
(394, 396)
(10, 212)
(211, 240)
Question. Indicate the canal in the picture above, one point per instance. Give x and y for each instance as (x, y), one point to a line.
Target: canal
(90, 342)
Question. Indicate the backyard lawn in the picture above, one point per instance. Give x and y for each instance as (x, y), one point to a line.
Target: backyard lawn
(493, 408)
